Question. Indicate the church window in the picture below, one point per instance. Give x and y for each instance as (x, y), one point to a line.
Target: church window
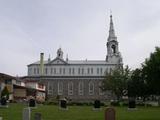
(80, 88)
(69, 70)
(88, 71)
(82, 70)
(70, 88)
(60, 88)
(64, 71)
(100, 90)
(54, 70)
(51, 70)
(60, 70)
(49, 89)
(73, 71)
(91, 70)
(34, 70)
(46, 71)
(79, 70)
(91, 88)
(37, 70)
(30, 71)
(97, 70)
(101, 70)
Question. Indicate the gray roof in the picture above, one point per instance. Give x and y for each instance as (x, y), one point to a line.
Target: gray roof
(87, 62)
(81, 62)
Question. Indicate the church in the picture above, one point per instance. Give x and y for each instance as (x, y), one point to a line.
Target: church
(77, 80)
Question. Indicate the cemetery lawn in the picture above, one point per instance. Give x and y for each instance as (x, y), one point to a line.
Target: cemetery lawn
(52, 112)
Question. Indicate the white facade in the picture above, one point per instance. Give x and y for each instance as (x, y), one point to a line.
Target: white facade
(77, 79)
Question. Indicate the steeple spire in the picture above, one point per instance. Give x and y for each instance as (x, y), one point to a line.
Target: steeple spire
(111, 30)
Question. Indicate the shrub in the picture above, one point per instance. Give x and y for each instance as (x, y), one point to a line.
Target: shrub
(115, 103)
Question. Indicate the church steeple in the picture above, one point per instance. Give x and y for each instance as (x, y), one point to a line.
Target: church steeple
(113, 54)
(112, 35)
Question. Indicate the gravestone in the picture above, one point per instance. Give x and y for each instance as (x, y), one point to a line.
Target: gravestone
(97, 104)
(32, 103)
(110, 114)
(3, 101)
(132, 103)
(37, 116)
(1, 118)
(26, 113)
(63, 104)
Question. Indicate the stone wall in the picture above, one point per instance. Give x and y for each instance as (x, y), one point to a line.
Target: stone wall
(52, 89)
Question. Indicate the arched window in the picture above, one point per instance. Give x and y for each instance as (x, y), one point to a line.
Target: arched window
(91, 88)
(100, 90)
(80, 88)
(50, 89)
(60, 88)
(70, 88)
(113, 49)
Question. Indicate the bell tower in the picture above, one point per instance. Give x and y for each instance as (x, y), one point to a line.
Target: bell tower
(113, 54)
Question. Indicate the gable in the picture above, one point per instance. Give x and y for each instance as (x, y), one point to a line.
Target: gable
(58, 61)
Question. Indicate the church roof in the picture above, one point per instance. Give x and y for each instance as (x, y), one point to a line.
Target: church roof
(87, 62)
(77, 62)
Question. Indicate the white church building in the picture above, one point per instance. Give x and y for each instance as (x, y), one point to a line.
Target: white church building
(77, 80)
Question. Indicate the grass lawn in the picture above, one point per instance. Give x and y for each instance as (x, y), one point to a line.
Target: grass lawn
(49, 112)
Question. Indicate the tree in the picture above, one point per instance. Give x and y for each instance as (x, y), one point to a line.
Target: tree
(137, 86)
(151, 71)
(5, 92)
(116, 82)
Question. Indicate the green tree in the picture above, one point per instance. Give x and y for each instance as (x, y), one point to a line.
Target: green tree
(137, 86)
(5, 92)
(116, 82)
(151, 71)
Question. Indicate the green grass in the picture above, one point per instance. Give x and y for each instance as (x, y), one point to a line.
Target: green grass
(49, 112)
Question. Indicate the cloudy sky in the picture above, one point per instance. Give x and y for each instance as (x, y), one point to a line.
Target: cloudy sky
(79, 27)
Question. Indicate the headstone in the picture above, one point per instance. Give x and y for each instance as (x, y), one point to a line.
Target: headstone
(26, 113)
(1, 118)
(97, 104)
(110, 114)
(37, 116)
(63, 104)
(32, 103)
(132, 103)
(3, 101)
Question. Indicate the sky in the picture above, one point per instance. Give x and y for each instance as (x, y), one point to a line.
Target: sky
(79, 27)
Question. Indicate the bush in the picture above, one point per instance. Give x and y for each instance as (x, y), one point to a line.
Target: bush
(80, 103)
(115, 103)
(124, 103)
(50, 102)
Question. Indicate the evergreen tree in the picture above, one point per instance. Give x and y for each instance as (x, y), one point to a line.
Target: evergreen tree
(5, 92)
